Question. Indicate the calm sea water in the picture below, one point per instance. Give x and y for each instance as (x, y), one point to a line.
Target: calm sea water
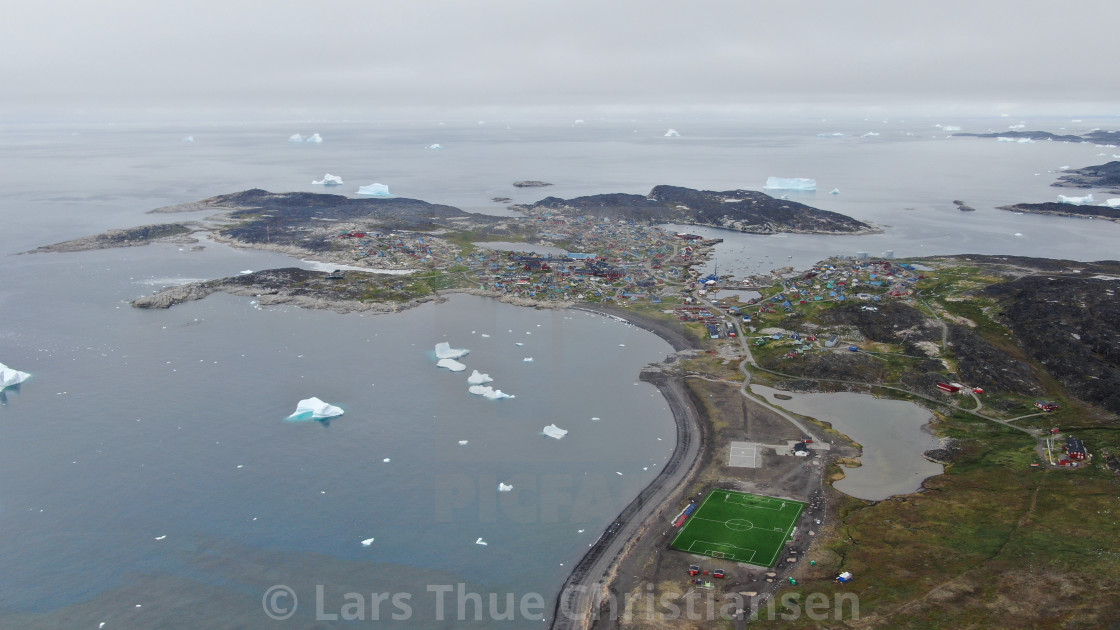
(146, 424)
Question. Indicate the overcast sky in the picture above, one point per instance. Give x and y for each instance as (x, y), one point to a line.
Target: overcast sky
(84, 55)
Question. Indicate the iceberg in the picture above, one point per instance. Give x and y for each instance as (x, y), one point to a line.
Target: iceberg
(9, 376)
(315, 138)
(433, 146)
(790, 183)
(380, 190)
(672, 133)
(1005, 139)
(528, 359)
(834, 191)
(367, 542)
(1112, 203)
(488, 392)
(188, 139)
(554, 431)
(451, 364)
(480, 541)
(1077, 201)
(478, 378)
(314, 409)
(295, 137)
(504, 487)
(328, 180)
(463, 442)
(445, 351)
(870, 134)
(950, 128)
(1025, 141)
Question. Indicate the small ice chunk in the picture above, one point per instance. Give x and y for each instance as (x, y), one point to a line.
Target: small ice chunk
(295, 137)
(1005, 139)
(463, 442)
(618, 473)
(9, 376)
(245, 272)
(554, 431)
(594, 418)
(870, 134)
(504, 487)
(790, 183)
(445, 351)
(314, 409)
(161, 537)
(188, 139)
(1077, 201)
(367, 542)
(518, 344)
(488, 392)
(478, 378)
(672, 133)
(950, 128)
(834, 191)
(485, 336)
(528, 359)
(386, 460)
(328, 180)
(451, 364)
(579, 121)
(480, 541)
(1018, 126)
(377, 190)
(1018, 234)
(1026, 141)
(434, 146)
(314, 138)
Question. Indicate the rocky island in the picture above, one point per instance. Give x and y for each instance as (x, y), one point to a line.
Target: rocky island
(1100, 176)
(1098, 136)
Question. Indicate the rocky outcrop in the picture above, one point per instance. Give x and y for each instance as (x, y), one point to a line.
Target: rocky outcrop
(1099, 176)
(741, 210)
(130, 237)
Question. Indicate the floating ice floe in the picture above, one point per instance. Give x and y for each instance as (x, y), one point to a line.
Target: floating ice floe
(295, 137)
(314, 138)
(451, 364)
(1017, 234)
(480, 541)
(1018, 126)
(1077, 201)
(595, 418)
(377, 190)
(1025, 141)
(245, 272)
(488, 392)
(188, 139)
(478, 378)
(386, 460)
(672, 133)
(367, 542)
(870, 134)
(527, 359)
(834, 191)
(445, 351)
(485, 336)
(518, 344)
(328, 180)
(579, 121)
(1006, 139)
(314, 409)
(554, 431)
(9, 376)
(433, 146)
(834, 134)
(950, 128)
(463, 442)
(504, 487)
(790, 183)
(161, 537)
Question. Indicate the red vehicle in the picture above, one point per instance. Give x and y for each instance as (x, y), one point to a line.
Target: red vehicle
(718, 573)
(694, 570)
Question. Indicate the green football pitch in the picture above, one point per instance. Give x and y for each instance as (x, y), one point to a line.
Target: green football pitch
(740, 527)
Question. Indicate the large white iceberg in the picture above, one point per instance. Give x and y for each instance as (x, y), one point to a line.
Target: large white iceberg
(1077, 201)
(445, 351)
(314, 409)
(451, 364)
(380, 190)
(790, 183)
(478, 378)
(1112, 203)
(328, 180)
(9, 376)
(672, 133)
(295, 137)
(315, 138)
(488, 392)
(554, 431)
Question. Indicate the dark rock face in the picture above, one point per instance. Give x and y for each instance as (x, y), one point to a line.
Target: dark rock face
(1068, 324)
(983, 365)
(1066, 210)
(742, 210)
(892, 322)
(1099, 176)
(277, 217)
